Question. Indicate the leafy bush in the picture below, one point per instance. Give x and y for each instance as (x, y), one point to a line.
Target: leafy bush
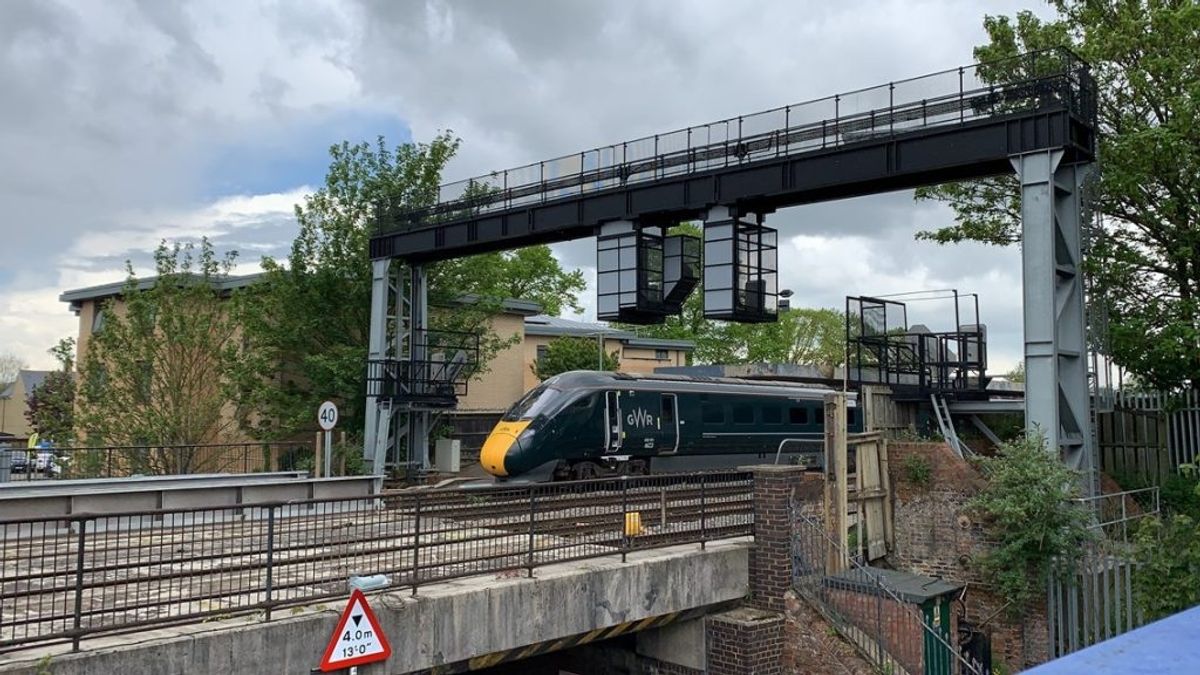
(1167, 580)
(1028, 509)
(917, 470)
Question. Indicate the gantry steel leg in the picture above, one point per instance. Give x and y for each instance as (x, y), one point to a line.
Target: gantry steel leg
(1056, 390)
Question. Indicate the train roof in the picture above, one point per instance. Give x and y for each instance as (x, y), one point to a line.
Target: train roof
(593, 379)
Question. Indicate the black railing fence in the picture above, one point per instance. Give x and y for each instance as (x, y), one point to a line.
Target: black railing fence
(1038, 80)
(151, 460)
(877, 619)
(63, 579)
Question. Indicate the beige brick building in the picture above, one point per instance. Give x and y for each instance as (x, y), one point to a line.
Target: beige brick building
(13, 399)
(490, 393)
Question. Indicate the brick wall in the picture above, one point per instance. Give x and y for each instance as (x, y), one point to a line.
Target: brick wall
(895, 627)
(771, 557)
(938, 537)
(745, 641)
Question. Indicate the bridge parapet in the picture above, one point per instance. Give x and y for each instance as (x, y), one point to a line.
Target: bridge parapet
(475, 621)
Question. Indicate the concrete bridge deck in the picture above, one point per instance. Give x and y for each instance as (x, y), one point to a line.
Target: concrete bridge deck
(73, 578)
(446, 627)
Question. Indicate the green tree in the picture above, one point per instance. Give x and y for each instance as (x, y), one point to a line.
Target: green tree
(1146, 267)
(1028, 509)
(306, 327)
(50, 407)
(157, 372)
(565, 354)
(1168, 550)
(10, 366)
(800, 335)
(1017, 373)
(530, 273)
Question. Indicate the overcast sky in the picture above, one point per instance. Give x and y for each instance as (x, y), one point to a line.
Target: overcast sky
(125, 122)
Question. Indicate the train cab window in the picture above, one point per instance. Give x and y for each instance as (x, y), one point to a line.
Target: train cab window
(712, 413)
(798, 415)
(771, 415)
(668, 408)
(743, 414)
(534, 403)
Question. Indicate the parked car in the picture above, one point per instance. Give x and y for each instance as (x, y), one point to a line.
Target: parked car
(18, 461)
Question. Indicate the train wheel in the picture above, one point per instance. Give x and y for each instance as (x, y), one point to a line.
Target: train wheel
(585, 471)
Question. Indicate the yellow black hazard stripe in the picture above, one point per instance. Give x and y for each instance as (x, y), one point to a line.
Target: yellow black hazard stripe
(537, 649)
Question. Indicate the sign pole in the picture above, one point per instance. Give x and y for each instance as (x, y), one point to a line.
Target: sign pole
(328, 453)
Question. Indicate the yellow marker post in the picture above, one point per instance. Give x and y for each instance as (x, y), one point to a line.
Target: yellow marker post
(633, 524)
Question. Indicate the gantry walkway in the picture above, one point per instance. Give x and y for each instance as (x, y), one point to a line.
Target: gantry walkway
(953, 125)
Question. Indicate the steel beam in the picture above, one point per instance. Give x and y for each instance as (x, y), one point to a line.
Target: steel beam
(386, 297)
(1056, 390)
(419, 421)
(397, 433)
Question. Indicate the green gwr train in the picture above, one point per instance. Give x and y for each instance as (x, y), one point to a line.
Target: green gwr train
(584, 424)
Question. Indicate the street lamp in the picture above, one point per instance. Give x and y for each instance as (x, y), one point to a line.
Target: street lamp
(784, 302)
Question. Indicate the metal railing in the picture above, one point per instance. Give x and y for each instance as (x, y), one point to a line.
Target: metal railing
(1117, 512)
(121, 461)
(63, 579)
(1046, 79)
(1096, 601)
(889, 631)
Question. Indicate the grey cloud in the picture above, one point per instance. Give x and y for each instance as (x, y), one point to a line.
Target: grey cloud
(111, 108)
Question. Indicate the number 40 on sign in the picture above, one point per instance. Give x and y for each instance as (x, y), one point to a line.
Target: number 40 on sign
(357, 639)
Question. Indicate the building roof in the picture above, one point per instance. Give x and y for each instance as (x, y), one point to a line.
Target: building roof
(909, 587)
(234, 282)
(554, 326)
(29, 380)
(79, 295)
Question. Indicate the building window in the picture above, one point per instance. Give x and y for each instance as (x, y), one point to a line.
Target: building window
(541, 352)
(97, 318)
(661, 355)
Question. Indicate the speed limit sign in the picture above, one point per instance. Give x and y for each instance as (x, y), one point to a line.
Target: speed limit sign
(327, 415)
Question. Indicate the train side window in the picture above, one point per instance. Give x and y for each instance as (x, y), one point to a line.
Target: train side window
(713, 413)
(772, 415)
(798, 415)
(668, 408)
(743, 414)
(851, 414)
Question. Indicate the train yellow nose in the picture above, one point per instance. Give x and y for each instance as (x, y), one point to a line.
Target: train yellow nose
(491, 456)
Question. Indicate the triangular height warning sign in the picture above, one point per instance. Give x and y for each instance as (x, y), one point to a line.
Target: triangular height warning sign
(357, 639)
